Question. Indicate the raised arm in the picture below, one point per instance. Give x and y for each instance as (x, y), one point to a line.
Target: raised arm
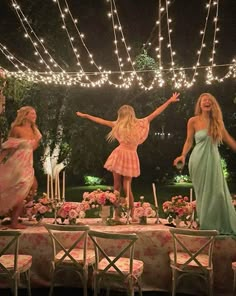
(188, 142)
(174, 98)
(96, 119)
(229, 140)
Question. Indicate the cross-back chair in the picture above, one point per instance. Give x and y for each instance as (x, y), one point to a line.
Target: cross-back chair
(115, 261)
(13, 264)
(192, 259)
(72, 253)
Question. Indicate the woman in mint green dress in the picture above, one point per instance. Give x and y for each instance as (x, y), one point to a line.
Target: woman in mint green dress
(214, 203)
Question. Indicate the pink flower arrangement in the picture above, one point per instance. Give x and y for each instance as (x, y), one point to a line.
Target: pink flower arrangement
(143, 209)
(99, 198)
(180, 207)
(40, 208)
(71, 211)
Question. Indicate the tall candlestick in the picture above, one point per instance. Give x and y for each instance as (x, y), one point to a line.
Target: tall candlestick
(48, 194)
(63, 185)
(154, 194)
(191, 195)
(52, 192)
(58, 186)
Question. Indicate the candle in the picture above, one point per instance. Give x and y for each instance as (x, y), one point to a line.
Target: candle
(58, 185)
(191, 195)
(48, 195)
(52, 192)
(56, 188)
(127, 195)
(154, 194)
(63, 185)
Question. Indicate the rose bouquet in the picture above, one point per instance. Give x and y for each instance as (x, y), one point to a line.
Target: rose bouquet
(71, 211)
(40, 208)
(179, 207)
(98, 198)
(143, 210)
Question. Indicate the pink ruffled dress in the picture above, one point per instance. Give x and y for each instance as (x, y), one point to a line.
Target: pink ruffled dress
(16, 173)
(124, 158)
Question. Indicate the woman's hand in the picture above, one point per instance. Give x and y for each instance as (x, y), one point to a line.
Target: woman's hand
(174, 98)
(80, 114)
(179, 161)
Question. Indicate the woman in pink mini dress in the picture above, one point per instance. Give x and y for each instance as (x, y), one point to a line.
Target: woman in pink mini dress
(130, 132)
(16, 164)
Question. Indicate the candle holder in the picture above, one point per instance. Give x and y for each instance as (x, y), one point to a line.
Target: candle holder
(157, 215)
(128, 216)
(56, 206)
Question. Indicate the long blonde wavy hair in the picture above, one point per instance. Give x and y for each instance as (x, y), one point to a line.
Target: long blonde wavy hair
(125, 122)
(21, 119)
(216, 125)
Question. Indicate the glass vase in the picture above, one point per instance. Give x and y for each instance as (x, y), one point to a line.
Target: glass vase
(105, 213)
(177, 221)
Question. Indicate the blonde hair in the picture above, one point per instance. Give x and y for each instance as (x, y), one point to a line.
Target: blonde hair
(216, 125)
(21, 118)
(125, 121)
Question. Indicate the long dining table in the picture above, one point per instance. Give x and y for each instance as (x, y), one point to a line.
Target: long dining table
(153, 246)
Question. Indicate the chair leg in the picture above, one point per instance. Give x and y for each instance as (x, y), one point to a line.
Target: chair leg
(27, 278)
(52, 284)
(15, 287)
(108, 291)
(140, 288)
(85, 283)
(210, 284)
(173, 282)
(95, 287)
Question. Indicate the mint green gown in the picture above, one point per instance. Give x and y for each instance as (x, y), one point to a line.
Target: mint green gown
(214, 203)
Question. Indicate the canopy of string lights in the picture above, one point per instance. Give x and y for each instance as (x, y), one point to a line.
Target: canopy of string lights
(44, 64)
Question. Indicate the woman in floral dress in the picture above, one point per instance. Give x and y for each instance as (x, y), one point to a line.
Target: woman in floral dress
(16, 164)
(130, 132)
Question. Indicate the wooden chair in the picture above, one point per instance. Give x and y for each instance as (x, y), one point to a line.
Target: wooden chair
(75, 257)
(188, 261)
(13, 264)
(116, 265)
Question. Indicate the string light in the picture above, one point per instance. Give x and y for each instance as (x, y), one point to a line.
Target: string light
(127, 74)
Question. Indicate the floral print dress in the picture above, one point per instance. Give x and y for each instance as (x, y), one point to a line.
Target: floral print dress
(16, 172)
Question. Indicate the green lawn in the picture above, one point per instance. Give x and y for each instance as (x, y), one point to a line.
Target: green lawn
(164, 192)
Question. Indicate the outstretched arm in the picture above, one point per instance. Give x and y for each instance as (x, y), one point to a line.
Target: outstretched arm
(188, 142)
(160, 109)
(96, 119)
(229, 140)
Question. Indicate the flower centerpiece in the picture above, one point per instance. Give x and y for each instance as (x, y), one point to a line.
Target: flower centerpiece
(71, 211)
(102, 200)
(179, 208)
(98, 198)
(39, 208)
(143, 210)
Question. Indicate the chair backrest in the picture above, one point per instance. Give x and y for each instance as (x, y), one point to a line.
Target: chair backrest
(183, 242)
(78, 239)
(11, 246)
(125, 248)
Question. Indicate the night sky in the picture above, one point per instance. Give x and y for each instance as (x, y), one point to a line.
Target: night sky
(138, 19)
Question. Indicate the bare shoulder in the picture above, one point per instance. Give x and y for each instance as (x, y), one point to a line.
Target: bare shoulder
(16, 132)
(192, 120)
